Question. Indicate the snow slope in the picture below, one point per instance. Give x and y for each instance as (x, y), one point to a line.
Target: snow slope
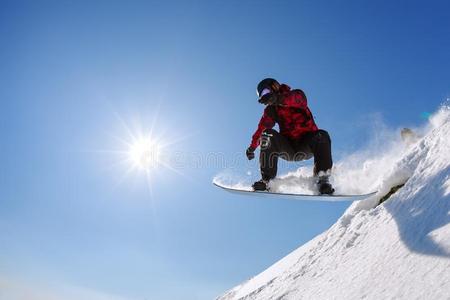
(397, 250)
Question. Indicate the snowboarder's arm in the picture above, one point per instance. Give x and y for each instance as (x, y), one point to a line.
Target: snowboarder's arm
(295, 99)
(266, 122)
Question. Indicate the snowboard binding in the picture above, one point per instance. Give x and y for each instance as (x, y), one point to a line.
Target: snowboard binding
(261, 185)
(324, 186)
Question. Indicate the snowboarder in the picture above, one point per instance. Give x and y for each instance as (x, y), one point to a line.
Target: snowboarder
(299, 137)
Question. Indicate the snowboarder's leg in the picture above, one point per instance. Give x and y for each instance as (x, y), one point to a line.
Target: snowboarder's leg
(273, 145)
(318, 144)
(323, 162)
(321, 147)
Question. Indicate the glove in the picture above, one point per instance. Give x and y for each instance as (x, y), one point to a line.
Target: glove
(250, 153)
(270, 99)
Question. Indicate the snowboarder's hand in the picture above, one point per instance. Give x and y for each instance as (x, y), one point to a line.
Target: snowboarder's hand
(250, 153)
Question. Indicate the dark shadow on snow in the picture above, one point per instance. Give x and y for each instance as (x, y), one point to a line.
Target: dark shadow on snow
(429, 213)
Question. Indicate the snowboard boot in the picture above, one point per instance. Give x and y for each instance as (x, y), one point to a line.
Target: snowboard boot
(261, 185)
(324, 185)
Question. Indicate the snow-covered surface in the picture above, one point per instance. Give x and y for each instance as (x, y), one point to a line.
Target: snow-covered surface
(397, 250)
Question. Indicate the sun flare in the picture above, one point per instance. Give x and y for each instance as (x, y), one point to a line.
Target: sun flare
(145, 150)
(144, 154)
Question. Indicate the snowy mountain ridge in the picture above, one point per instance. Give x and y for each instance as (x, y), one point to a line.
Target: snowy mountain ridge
(399, 249)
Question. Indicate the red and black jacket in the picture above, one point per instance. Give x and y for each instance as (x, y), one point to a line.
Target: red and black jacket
(291, 113)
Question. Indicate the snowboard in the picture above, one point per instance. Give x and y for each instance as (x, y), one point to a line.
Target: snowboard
(301, 197)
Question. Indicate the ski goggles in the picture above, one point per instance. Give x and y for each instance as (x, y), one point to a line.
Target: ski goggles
(265, 92)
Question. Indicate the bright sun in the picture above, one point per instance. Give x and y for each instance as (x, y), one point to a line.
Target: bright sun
(144, 153)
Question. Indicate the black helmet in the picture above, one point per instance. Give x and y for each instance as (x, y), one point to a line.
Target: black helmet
(265, 84)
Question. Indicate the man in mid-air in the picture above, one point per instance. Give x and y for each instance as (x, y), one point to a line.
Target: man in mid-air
(299, 137)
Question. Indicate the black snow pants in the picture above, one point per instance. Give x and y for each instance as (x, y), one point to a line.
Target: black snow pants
(313, 144)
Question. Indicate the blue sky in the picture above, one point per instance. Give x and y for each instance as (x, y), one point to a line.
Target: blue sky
(73, 72)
